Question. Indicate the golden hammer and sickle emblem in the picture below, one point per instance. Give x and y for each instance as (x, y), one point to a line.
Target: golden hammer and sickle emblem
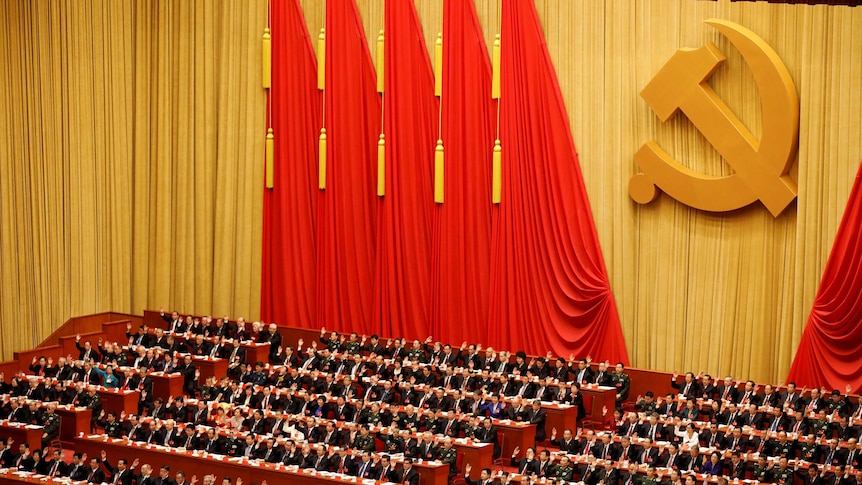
(760, 166)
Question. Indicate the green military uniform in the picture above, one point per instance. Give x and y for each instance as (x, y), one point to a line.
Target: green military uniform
(393, 444)
(782, 477)
(51, 423)
(470, 430)
(373, 419)
(783, 449)
(646, 407)
(562, 473)
(416, 354)
(449, 457)
(352, 347)
(639, 480)
(839, 405)
(363, 443)
(761, 473)
(808, 452)
(622, 382)
(820, 427)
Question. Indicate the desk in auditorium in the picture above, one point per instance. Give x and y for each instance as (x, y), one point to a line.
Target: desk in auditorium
(210, 367)
(73, 421)
(21, 433)
(559, 417)
(477, 455)
(522, 435)
(165, 385)
(597, 399)
(192, 465)
(118, 400)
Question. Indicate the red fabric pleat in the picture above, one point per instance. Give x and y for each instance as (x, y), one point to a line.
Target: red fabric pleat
(288, 273)
(830, 352)
(549, 285)
(463, 245)
(402, 291)
(348, 207)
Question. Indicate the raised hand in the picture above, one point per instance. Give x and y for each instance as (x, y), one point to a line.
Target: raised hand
(516, 450)
(467, 468)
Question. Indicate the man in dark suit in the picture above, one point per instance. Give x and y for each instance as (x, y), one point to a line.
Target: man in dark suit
(120, 475)
(688, 387)
(529, 464)
(488, 434)
(567, 444)
(408, 475)
(164, 477)
(77, 470)
(95, 473)
(536, 415)
(727, 391)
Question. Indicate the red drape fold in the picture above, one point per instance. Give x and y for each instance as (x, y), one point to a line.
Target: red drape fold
(549, 285)
(288, 273)
(402, 294)
(830, 352)
(348, 207)
(463, 244)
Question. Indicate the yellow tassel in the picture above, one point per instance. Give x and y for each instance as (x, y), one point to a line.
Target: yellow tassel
(438, 65)
(270, 152)
(495, 76)
(381, 166)
(380, 57)
(321, 60)
(438, 172)
(496, 175)
(266, 62)
(321, 175)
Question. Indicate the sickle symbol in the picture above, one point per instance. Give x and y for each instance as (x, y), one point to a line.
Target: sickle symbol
(760, 166)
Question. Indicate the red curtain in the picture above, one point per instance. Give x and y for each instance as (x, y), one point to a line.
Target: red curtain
(463, 245)
(288, 273)
(830, 352)
(402, 293)
(549, 285)
(348, 207)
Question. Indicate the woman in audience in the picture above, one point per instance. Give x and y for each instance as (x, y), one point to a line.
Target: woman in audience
(687, 435)
(714, 465)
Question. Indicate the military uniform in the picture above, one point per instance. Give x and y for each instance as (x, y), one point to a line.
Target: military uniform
(393, 444)
(416, 354)
(819, 428)
(809, 452)
(782, 477)
(233, 447)
(622, 382)
(562, 473)
(639, 480)
(352, 347)
(761, 473)
(782, 449)
(363, 442)
(51, 423)
(449, 457)
(113, 430)
(839, 405)
(646, 407)
(470, 431)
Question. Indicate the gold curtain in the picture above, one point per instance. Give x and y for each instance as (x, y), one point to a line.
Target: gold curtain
(131, 160)
(722, 293)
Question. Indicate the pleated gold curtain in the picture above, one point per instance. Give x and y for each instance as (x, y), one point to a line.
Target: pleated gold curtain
(130, 160)
(721, 293)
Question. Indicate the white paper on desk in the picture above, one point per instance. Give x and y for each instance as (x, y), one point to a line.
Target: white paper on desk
(367, 481)
(216, 456)
(93, 436)
(33, 426)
